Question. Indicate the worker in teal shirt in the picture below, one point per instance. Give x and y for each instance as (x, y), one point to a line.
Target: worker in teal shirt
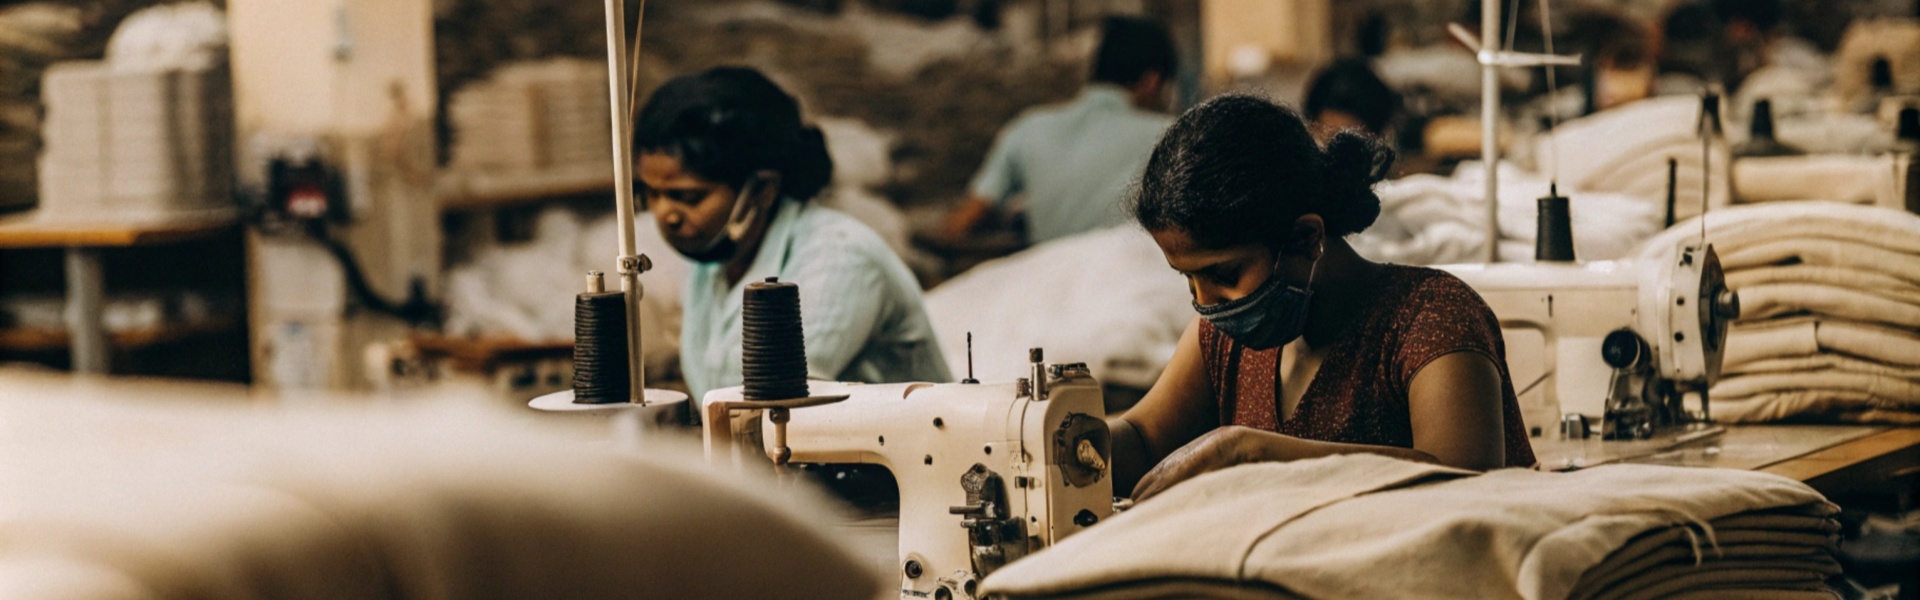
(1073, 162)
(728, 168)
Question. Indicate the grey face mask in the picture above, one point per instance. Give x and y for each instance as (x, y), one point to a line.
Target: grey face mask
(1273, 315)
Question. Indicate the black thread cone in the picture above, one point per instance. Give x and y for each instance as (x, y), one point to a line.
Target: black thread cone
(1553, 238)
(773, 351)
(600, 369)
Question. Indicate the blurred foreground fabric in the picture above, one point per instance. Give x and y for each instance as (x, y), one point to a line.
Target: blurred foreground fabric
(156, 494)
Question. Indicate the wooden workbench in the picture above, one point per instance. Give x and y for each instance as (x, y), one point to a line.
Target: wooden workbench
(83, 240)
(29, 231)
(1831, 458)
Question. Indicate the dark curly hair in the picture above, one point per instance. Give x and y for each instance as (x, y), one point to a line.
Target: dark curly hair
(727, 123)
(1240, 169)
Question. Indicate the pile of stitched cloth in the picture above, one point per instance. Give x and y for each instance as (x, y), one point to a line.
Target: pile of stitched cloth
(1365, 526)
(1829, 328)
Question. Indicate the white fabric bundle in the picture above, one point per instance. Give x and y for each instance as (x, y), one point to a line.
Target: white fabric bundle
(1430, 220)
(188, 36)
(526, 291)
(1365, 526)
(1830, 311)
(1625, 150)
(1106, 298)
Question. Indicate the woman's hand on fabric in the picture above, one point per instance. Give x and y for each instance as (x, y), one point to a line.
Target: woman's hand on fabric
(1218, 449)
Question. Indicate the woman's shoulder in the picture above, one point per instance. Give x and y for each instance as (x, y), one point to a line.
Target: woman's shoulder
(830, 238)
(1437, 314)
(1422, 295)
(825, 229)
(1423, 286)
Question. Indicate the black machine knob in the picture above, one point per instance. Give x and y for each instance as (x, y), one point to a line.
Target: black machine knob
(1726, 305)
(1623, 349)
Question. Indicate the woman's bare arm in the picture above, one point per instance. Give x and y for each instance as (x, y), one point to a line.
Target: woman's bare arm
(1456, 407)
(1177, 410)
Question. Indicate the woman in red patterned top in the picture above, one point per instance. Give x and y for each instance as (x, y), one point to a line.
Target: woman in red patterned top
(1303, 348)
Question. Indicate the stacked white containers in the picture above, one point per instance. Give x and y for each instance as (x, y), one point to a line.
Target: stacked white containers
(528, 117)
(136, 145)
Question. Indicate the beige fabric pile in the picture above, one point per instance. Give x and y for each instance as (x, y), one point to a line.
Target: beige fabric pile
(1830, 311)
(1372, 527)
(1624, 151)
(156, 497)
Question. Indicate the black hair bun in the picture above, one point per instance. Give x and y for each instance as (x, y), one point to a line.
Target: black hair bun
(1355, 162)
(811, 168)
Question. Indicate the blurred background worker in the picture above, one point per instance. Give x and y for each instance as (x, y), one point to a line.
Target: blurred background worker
(1073, 162)
(1348, 95)
(728, 169)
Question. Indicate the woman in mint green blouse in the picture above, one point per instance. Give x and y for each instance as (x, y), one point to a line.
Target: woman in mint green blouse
(728, 169)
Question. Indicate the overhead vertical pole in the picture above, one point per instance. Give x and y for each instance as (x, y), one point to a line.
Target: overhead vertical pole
(620, 115)
(1490, 119)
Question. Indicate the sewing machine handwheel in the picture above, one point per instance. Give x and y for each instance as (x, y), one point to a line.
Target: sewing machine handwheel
(1082, 466)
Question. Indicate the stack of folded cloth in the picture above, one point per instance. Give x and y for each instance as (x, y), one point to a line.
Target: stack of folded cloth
(1789, 552)
(1366, 526)
(33, 36)
(1625, 151)
(1830, 311)
(532, 116)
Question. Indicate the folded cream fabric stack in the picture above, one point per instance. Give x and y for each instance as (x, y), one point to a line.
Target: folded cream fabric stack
(1788, 552)
(1366, 526)
(1829, 327)
(136, 144)
(533, 116)
(33, 36)
(1624, 150)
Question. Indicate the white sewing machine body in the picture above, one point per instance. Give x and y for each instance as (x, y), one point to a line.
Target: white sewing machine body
(988, 472)
(1567, 326)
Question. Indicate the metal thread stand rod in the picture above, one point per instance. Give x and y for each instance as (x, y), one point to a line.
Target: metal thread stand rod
(1490, 120)
(631, 263)
(1492, 58)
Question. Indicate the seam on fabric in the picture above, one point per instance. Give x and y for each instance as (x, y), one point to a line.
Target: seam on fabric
(1240, 569)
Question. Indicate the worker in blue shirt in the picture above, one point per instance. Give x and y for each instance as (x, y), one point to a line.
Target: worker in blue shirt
(729, 169)
(1073, 162)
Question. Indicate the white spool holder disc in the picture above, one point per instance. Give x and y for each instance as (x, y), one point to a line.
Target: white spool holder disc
(562, 401)
(664, 409)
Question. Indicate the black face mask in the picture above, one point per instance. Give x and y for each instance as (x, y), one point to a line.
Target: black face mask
(1273, 315)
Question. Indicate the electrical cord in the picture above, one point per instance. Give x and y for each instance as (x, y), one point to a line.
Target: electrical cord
(416, 310)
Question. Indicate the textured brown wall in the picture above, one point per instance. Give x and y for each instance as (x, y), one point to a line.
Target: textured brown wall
(945, 114)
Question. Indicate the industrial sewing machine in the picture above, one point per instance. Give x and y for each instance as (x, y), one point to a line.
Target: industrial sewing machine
(988, 472)
(1623, 342)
